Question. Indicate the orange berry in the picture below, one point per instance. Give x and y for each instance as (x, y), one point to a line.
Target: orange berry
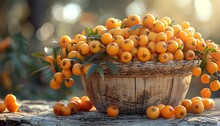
(84, 49)
(183, 35)
(163, 57)
(197, 107)
(65, 63)
(118, 39)
(161, 37)
(205, 78)
(9, 98)
(100, 29)
(86, 68)
(73, 106)
(49, 59)
(153, 112)
(83, 98)
(180, 111)
(112, 111)
(143, 54)
(196, 71)
(185, 24)
(151, 36)
(187, 104)
(214, 85)
(206, 93)
(211, 67)
(80, 37)
(152, 47)
(2, 106)
(167, 112)
(143, 40)
(190, 43)
(69, 82)
(110, 23)
(58, 77)
(65, 110)
(196, 98)
(117, 31)
(57, 108)
(71, 47)
(167, 19)
(201, 46)
(148, 20)
(135, 39)
(177, 28)
(132, 20)
(95, 46)
(178, 55)
(74, 98)
(77, 69)
(86, 105)
(160, 106)
(212, 102)
(106, 38)
(190, 55)
(126, 57)
(127, 45)
(54, 85)
(161, 47)
(159, 27)
(112, 49)
(64, 41)
(72, 54)
(172, 46)
(12, 107)
(67, 73)
(207, 103)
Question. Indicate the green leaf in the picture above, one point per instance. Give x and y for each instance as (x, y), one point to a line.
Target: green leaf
(123, 26)
(92, 58)
(113, 67)
(172, 23)
(156, 18)
(180, 47)
(198, 53)
(38, 54)
(203, 64)
(46, 67)
(75, 59)
(134, 27)
(45, 62)
(87, 31)
(91, 70)
(56, 51)
(100, 70)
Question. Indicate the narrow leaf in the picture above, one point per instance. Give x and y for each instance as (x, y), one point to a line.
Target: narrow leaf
(156, 18)
(46, 67)
(203, 64)
(75, 59)
(92, 58)
(91, 70)
(134, 27)
(38, 54)
(172, 23)
(55, 51)
(45, 62)
(100, 70)
(113, 67)
(123, 25)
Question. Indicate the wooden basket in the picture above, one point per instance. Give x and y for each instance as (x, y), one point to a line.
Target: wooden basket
(140, 85)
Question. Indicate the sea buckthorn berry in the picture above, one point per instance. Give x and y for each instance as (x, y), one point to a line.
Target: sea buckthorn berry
(177, 28)
(132, 20)
(100, 29)
(148, 20)
(190, 55)
(183, 35)
(212, 102)
(169, 28)
(180, 43)
(196, 71)
(84, 49)
(154, 57)
(71, 47)
(118, 39)
(144, 31)
(196, 98)
(161, 37)
(134, 31)
(163, 57)
(170, 55)
(134, 52)
(207, 103)
(197, 35)
(143, 40)
(214, 85)
(160, 106)
(201, 46)
(185, 24)
(167, 112)
(135, 39)
(95, 46)
(65, 110)
(80, 37)
(2, 106)
(106, 38)
(12, 107)
(143, 54)
(167, 19)
(77, 69)
(57, 108)
(211, 67)
(86, 105)
(86, 68)
(161, 47)
(49, 59)
(205, 78)
(153, 112)
(112, 49)
(178, 55)
(197, 107)
(73, 106)
(112, 111)
(65, 64)
(126, 57)
(189, 32)
(69, 82)
(180, 111)
(55, 85)
(126, 33)
(67, 73)
(111, 23)
(124, 23)
(127, 45)
(151, 36)
(79, 43)
(187, 104)
(152, 47)
(64, 41)
(118, 31)
(9, 98)
(169, 34)
(159, 27)
(172, 46)
(190, 43)
(58, 77)
(206, 93)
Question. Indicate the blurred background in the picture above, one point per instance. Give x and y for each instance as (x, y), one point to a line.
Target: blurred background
(27, 26)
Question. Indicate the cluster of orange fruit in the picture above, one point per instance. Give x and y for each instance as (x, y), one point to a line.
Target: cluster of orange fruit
(196, 105)
(10, 102)
(74, 105)
(131, 39)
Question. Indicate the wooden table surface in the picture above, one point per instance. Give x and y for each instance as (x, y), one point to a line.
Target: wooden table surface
(40, 113)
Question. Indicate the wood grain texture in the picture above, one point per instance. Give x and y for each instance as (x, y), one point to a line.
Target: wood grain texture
(133, 94)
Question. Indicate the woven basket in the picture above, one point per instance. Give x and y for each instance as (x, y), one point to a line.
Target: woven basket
(140, 85)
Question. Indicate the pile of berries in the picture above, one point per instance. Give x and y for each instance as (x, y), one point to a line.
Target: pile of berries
(10, 102)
